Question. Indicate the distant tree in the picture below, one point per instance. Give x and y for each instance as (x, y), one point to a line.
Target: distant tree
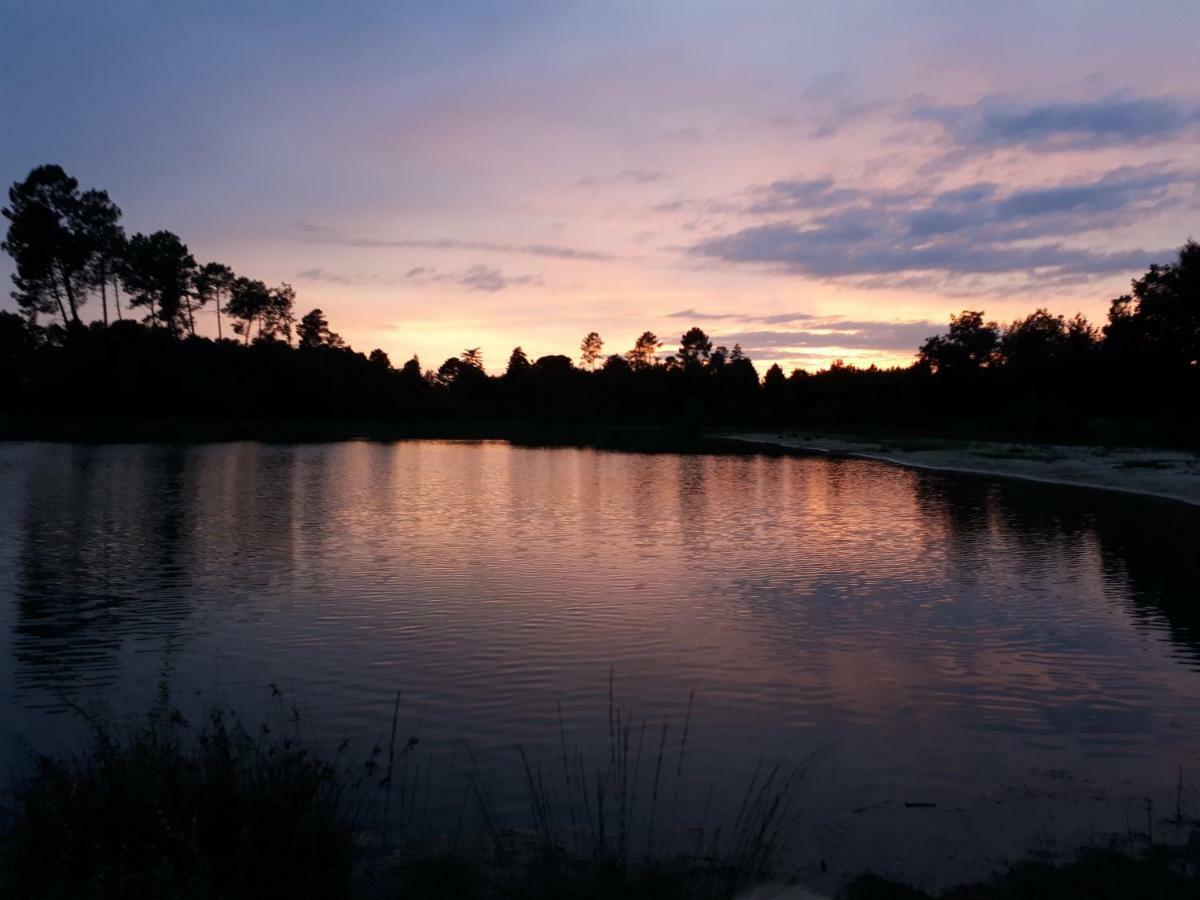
(740, 378)
(248, 299)
(411, 370)
(644, 349)
(774, 386)
(774, 376)
(48, 243)
(1083, 337)
(518, 363)
(213, 282)
(616, 364)
(104, 238)
(473, 358)
(448, 372)
(313, 331)
(1158, 324)
(591, 347)
(411, 382)
(694, 346)
(1036, 344)
(465, 380)
(969, 345)
(277, 318)
(120, 254)
(14, 331)
(1041, 373)
(554, 364)
(19, 339)
(158, 273)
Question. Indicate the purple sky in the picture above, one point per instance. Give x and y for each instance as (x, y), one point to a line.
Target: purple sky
(812, 180)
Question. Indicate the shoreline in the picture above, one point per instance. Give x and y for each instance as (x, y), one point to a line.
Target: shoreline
(1172, 475)
(1163, 474)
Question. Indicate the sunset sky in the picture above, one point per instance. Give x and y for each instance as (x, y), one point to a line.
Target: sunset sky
(814, 180)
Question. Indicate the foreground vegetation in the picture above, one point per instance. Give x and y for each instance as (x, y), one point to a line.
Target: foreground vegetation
(165, 810)
(169, 809)
(144, 362)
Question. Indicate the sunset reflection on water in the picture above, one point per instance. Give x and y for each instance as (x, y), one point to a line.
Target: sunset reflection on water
(944, 638)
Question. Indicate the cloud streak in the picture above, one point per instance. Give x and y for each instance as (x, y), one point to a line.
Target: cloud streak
(850, 335)
(818, 332)
(805, 194)
(626, 176)
(316, 234)
(479, 277)
(489, 279)
(774, 319)
(995, 122)
(846, 247)
(693, 315)
(876, 336)
(979, 229)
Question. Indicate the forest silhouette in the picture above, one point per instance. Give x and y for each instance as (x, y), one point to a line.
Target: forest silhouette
(142, 360)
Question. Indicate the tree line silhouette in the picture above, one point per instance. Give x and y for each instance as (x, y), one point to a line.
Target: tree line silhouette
(142, 359)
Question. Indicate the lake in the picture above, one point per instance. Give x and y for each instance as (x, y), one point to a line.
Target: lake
(1025, 658)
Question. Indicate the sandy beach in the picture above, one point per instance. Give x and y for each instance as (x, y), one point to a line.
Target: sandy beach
(1171, 474)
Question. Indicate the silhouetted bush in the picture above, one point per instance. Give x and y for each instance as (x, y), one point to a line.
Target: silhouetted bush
(168, 811)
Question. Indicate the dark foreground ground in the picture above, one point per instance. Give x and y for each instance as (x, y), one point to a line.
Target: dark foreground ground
(1161, 874)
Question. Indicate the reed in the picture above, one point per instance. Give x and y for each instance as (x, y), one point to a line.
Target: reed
(162, 807)
(165, 808)
(616, 826)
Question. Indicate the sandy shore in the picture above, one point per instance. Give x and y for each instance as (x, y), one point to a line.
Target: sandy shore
(1173, 474)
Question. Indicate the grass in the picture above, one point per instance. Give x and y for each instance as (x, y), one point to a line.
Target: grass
(608, 828)
(169, 810)
(164, 808)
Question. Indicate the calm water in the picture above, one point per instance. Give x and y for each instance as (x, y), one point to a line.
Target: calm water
(1027, 658)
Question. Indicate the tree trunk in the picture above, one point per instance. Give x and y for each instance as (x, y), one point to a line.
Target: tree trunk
(218, 298)
(191, 321)
(70, 295)
(104, 298)
(58, 297)
(117, 297)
